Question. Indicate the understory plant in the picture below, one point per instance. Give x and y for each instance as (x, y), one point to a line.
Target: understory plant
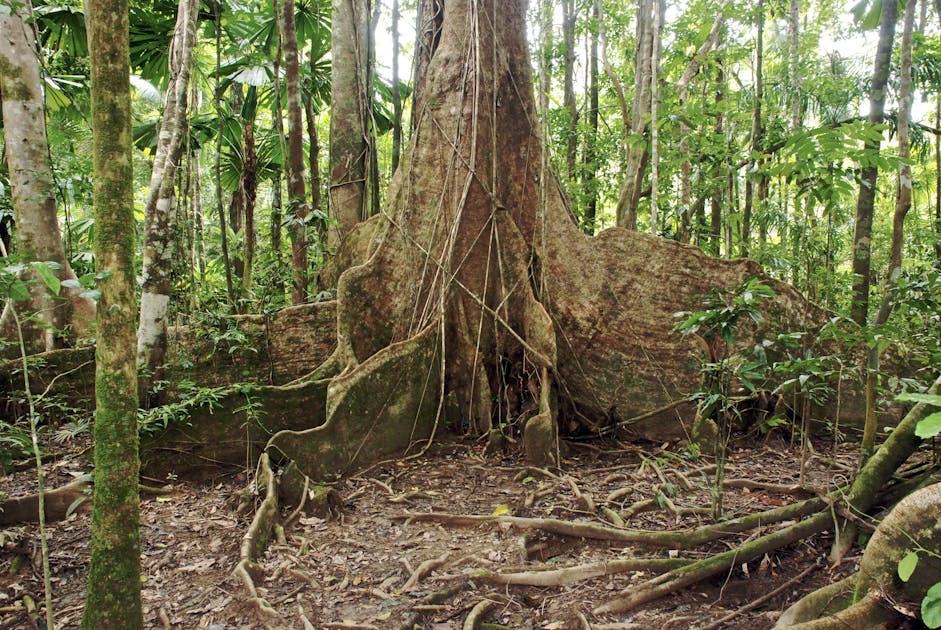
(718, 325)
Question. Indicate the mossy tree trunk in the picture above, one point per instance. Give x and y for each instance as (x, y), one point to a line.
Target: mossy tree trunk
(160, 211)
(113, 598)
(34, 200)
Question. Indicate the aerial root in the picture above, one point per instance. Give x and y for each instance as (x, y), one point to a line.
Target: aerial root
(256, 538)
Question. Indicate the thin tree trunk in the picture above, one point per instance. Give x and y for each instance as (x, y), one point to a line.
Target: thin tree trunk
(637, 147)
(569, 17)
(372, 188)
(658, 10)
(277, 205)
(159, 213)
(113, 596)
(349, 148)
(396, 94)
(589, 183)
(903, 203)
(248, 188)
(313, 160)
(217, 165)
(297, 201)
(33, 191)
(686, 169)
(753, 176)
(862, 235)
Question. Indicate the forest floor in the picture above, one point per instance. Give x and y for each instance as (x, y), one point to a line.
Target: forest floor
(353, 569)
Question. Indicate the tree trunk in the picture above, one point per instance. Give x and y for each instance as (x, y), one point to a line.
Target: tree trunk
(297, 195)
(33, 191)
(475, 299)
(429, 18)
(350, 157)
(637, 148)
(160, 211)
(590, 174)
(113, 599)
(248, 188)
(217, 164)
(753, 175)
(903, 203)
(396, 93)
(658, 10)
(865, 202)
(313, 160)
(686, 168)
(569, 17)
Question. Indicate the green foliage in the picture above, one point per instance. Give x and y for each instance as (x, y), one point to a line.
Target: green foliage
(931, 603)
(931, 607)
(929, 426)
(191, 397)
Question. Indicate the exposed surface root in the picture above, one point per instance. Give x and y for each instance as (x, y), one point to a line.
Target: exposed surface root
(256, 538)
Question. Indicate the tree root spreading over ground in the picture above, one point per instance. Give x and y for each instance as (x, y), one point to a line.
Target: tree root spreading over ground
(377, 564)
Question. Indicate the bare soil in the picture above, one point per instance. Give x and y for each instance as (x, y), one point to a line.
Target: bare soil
(348, 570)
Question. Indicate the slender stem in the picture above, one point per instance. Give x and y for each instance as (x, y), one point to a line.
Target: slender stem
(34, 437)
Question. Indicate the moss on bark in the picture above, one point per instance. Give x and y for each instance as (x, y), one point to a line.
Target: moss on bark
(113, 597)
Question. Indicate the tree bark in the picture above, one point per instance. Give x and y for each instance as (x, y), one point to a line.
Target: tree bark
(590, 174)
(637, 147)
(350, 155)
(865, 202)
(429, 18)
(659, 9)
(396, 92)
(33, 191)
(753, 177)
(569, 17)
(686, 169)
(297, 195)
(160, 211)
(903, 203)
(113, 599)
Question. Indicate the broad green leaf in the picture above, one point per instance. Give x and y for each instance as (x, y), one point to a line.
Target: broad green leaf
(907, 565)
(931, 607)
(72, 283)
(48, 278)
(929, 427)
(18, 291)
(931, 399)
(502, 510)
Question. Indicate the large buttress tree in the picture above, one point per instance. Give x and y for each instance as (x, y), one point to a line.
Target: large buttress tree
(473, 298)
